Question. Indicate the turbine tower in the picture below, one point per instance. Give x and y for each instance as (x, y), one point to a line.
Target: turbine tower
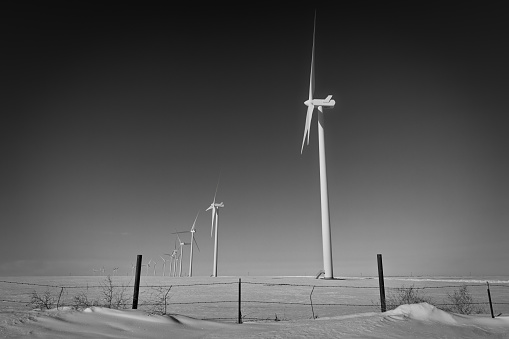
(324, 197)
(215, 216)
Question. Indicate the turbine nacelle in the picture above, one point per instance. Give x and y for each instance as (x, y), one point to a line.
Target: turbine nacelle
(215, 205)
(326, 103)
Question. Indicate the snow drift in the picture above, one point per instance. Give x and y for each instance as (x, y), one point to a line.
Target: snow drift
(407, 321)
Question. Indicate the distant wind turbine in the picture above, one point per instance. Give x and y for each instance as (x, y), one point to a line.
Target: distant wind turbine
(176, 261)
(171, 263)
(215, 216)
(193, 239)
(148, 265)
(173, 258)
(320, 104)
(182, 244)
(155, 265)
(164, 264)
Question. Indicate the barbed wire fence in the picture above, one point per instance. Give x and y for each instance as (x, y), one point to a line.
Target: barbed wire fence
(259, 301)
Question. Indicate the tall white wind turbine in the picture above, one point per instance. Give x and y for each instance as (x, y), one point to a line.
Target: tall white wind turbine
(215, 216)
(320, 104)
(193, 240)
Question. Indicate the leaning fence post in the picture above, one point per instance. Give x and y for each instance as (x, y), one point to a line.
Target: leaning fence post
(165, 298)
(381, 282)
(240, 313)
(137, 282)
(489, 298)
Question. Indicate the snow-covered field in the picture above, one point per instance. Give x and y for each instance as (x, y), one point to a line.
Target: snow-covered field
(342, 308)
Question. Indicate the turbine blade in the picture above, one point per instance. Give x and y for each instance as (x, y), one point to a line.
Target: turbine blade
(216, 187)
(307, 127)
(312, 73)
(192, 228)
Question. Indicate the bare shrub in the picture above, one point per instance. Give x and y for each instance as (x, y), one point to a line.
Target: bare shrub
(114, 296)
(43, 301)
(461, 302)
(406, 295)
(158, 300)
(80, 301)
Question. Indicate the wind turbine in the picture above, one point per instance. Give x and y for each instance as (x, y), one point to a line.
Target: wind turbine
(132, 269)
(193, 239)
(175, 262)
(148, 266)
(215, 216)
(146, 273)
(164, 264)
(155, 265)
(182, 244)
(171, 263)
(324, 197)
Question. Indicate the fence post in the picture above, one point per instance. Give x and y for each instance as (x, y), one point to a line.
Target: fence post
(240, 313)
(489, 298)
(311, 301)
(62, 290)
(381, 282)
(137, 282)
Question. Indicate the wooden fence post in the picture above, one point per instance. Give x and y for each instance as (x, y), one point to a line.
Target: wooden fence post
(137, 282)
(240, 313)
(489, 298)
(381, 282)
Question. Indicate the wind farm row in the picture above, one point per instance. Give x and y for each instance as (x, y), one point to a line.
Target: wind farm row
(176, 257)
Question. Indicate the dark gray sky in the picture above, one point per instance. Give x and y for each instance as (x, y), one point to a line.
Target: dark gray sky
(117, 122)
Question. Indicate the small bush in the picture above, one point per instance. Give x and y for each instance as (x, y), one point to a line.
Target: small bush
(406, 295)
(42, 301)
(114, 297)
(80, 301)
(461, 302)
(159, 300)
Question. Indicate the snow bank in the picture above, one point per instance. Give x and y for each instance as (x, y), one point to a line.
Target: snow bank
(429, 313)
(407, 321)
